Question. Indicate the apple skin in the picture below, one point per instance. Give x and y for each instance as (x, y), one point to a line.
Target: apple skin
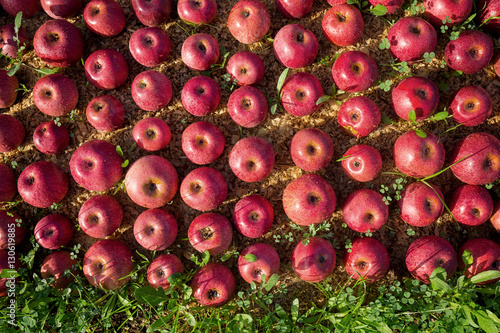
(311, 149)
(410, 38)
(495, 216)
(197, 11)
(359, 116)
(364, 210)
(200, 51)
(151, 134)
(28, 7)
(161, 268)
(299, 94)
(471, 205)
(483, 164)
(249, 21)
(107, 263)
(496, 64)
(53, 231)
(8, 186)
(363, 164)
(100, 216)
(96, 166)
(55, 95)
(8, 226)
(11, 133)
(204, 189)
(267, 263)
(415, 93)
(202, 142)
(343, 25)
(150, 46)
(471, 105)
(155, 229)
(104, 17)
(248, 106)
(61, 9)
(430, 252)
(58, 43)
(252, 159)
(368, 259)
(438, 10)
(4, 263)
(354, 71)
(315, 261)
(486, 256)
(55, 265)
(309, 199)
(294, 8)
(8, 89)
(295, 46)
(152, 13)
(106, 69)
(246, 68)
(418, 157)
(50, 138)
(470, 53)
(486, 10)
(8, 46)
(253, 216)
(419, 205)
(212, 232)
(151, 181)
(391, 5)
(105, 113)
(42, 183)
(213, 285)
(151, 90)
(200, 95)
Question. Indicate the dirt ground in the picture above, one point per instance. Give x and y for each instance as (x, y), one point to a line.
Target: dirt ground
(278, 129)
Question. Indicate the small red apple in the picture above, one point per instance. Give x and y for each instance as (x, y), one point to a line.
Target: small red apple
(299, 94)
(419, 94)
(343, 25)
(55, 265)
(410, 38)
(246, 68)
(55, 95)
(213, 285)
(212, 232)
(202, 142)
(61, 9)
(247, 106)
(8, 89)
(249, 21)
(455, 11)
(8, 46)
(155, 229)
(313, 259)
(421, 205)
(150, 46)
(11, 133)
(368, 259)
(471, 105)
(11, 229)
(106, 69)
(200, 95)
(294, 9)
(470, 53)
(50, 138)
(104, 17)
(311, 149)
(251, 159)
(364, 210)
(471, 205)
(100, 216)
(151, 90)
(362, 163)
(105, 113)
(486, 257)
(151, 134)
(295, 46)
(8, 186)
(152, 13)
(354, 71)
(28, 7)
(53, 231)
(253, 216)
(161, 268)
(200, 51)
(197, 11)
(204, 189)
(359, 116)
(267, 262)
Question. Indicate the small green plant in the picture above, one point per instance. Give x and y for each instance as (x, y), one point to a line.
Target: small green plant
(384, 44)
(120, 152)
(412, 117)
(410, 232)
(205, 257)
(57, 121)
(217, 67)
(333, 93)
(229, 84)
(414, 7)
(55, 206)
(393, 191)
(313, 230)
(386, 85)
(429, 56)
(276, 104)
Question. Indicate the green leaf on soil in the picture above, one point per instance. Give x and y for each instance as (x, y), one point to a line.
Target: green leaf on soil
(379, 10)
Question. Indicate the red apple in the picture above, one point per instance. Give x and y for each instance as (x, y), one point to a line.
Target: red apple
(476, 159)
(202, 142)
(391, 5)
(311, 149)
(364, 210)
(300, 93)
(53, 231)
(42, 184)
(204, 189)
(313, 259)
(197, 11)
(253, 216)
(104, 17)
(11, 229)
(213, 285)
(247, 106)
(150, 46)
(106, 69)
(152, 13)
(294, 9)
(251, 159)
(496, 64)
(249, 21)
(421, 205)
(161, 268)
(58, 43)
(151, 181)
(8, 46)
(410, 38)
(11, 133)
(151, 90)
(28, 7)
(8, 187)
(362, 163)
(309, 199)
(61, 9)
(155, 229)
(200, 51)
(471, 105)
(455, 10)
(151, 134)
(470, 53)
(100, 216)
(96, 166)
(488, 11)
(295, 46)
(415, 93)
(359, 116)
(428, 253)
(343, 25)
(55, 266)
(50, 138)
(8, 89)
(471, 205)
(368, 260)
(354, 71)
(267, 262)
(107, 264)
(212, 232)
(485, 254)
(200, 95)
(495, 216)
(418, 157)
(246, 68)
(55, 95)
(336, 2)
(105, 113)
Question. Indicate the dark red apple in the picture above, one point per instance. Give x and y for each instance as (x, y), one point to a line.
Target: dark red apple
(470, 53)
(197, 11)
(496, 64)
(295, 46)
(152, 13)
(455, 10)
(309, 199)
(248, 106)
(202, 142)
(246, 68)
(200, 95)
(368, 259)
(471, 205)
(204, 189)
(213, 285)
(100, 216)
(471, 105)
(313, 259)
(11, 229)
(50, 138)
(55, 95)
(151, 134)
(11, 133)
(311, 149)
(53, 231)
(212, 232)
(61, 9)
(106, 69)
(151, 90)
(343, 25)
(359, 116)
(495, 216)
(364, 210)
(252, 159)
(488, 12)
(200, 51)
(249, 21)
(485, 254)
(421, 205)
(150, 46)
(105, 113)
(8, 45)
(28, 7)
(300, 93)
(410, 38)
(155, 229)
(104, 17)
(8, 187)
(8, 89)
(267, 262)
(294, 9)
(161, 268)
(354, 71)
(253, 216)
(415, 93)
(362, 163)
(55, 266)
